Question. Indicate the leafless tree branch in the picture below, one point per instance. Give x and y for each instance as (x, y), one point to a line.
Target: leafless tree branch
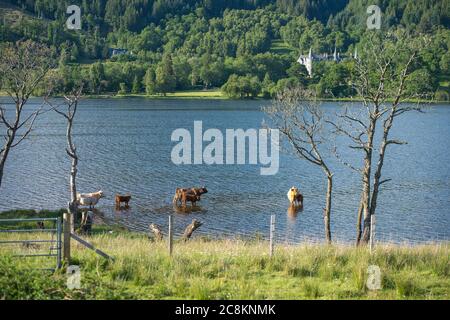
(23, 66)
(296, 113)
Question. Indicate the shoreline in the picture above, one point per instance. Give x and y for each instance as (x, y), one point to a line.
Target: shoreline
(121, 230)
(215, 95)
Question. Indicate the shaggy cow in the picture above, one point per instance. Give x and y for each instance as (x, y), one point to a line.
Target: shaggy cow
(97, 195)
(193, 191)
(192, 198)
(89, 199)
(90, 202)
(125, 199)
(295, 197)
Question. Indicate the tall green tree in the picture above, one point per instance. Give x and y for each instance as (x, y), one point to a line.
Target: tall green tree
(165, 76)
(136, 88)
(150, 81)
(96, 75)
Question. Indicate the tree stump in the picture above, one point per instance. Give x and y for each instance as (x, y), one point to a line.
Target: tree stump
(191, 228)
(156, 231)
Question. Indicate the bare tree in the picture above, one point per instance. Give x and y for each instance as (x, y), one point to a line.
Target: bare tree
(381, 82)
(297, 113)
(23, 66)
(70, 107)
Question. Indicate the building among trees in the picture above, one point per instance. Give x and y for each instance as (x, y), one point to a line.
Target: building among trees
(307, 60)
(118, 52)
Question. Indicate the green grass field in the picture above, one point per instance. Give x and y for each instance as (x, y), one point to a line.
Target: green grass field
(191, 94)
(216, 93)
(280, 47)
(231, 269)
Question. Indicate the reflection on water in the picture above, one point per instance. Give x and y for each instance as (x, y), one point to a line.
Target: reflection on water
(180, 209)
(122, 209)
(293, 211)
(125, 148)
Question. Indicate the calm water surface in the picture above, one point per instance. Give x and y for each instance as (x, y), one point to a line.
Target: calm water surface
(125, 146)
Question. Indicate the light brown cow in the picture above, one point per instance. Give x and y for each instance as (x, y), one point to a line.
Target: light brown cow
(295, 197)
(192, 198)
(193, 191)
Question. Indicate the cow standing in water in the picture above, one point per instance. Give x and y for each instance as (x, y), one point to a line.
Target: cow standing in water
(295, 197)
(192, 198)
(192, 195)
(89, 199)
(122, 199)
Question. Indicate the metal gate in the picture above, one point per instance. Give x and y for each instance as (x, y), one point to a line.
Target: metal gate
(36, 238)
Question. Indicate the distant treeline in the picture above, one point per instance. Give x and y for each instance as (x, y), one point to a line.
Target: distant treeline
(246, 47)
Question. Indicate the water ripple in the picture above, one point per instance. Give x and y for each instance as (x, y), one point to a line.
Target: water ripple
(125, 146)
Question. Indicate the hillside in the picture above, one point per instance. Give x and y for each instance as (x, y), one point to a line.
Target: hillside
(200, 44)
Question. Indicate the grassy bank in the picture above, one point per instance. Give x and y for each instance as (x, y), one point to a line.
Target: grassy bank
(191, 94)
(223, 269)
(216, 94)
(232, 269)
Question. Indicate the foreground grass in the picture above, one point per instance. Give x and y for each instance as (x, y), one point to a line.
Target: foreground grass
(232, 269)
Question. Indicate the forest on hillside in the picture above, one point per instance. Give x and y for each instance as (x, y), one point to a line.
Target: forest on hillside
(248, 48)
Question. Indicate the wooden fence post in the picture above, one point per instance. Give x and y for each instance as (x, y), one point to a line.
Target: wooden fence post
(272, 234)
(372, 232)
(170, 235)
(66, 242)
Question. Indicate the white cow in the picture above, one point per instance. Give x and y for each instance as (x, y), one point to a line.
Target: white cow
(89, 199)
(98, 195)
